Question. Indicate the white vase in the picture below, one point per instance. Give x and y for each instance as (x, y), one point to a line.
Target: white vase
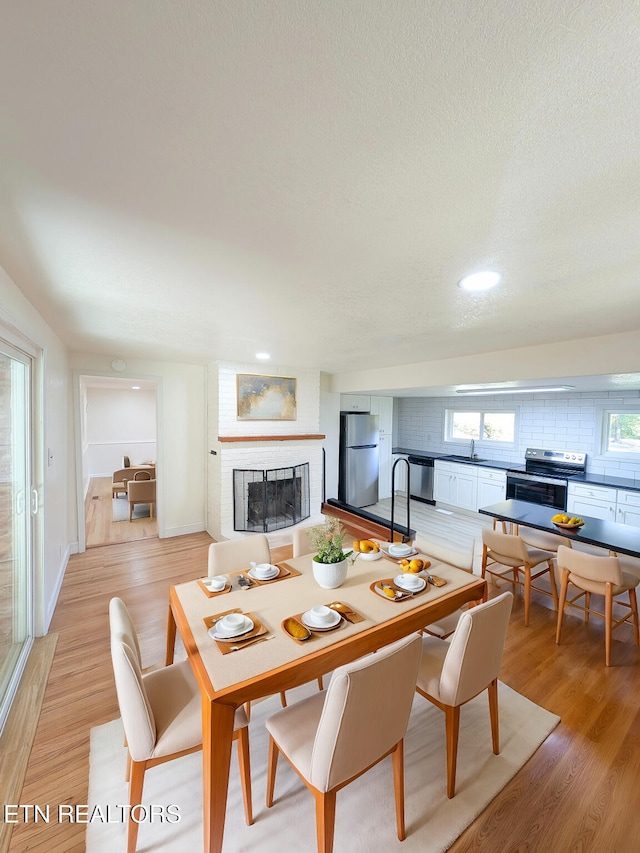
(330, 575)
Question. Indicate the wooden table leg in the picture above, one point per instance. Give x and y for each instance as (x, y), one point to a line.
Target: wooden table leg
(217, 736)
(171, 638)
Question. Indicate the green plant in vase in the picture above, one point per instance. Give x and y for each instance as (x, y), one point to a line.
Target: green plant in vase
(326, 540)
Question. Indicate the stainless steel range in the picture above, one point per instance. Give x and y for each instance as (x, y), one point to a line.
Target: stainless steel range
(543, 478)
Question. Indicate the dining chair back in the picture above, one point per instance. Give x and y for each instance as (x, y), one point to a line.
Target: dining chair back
(330, 739)
(235, 554)
(141, 492)
(597, 575)
(452, 673)
(301, 543)
(142, 475)
(161, 714)
(508, 554)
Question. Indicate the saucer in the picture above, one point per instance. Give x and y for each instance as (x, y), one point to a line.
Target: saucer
(308, 620)
(411, 586)
(218, 632)
(275, 571)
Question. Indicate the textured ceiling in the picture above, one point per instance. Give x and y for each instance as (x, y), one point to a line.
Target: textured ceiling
(194, 180)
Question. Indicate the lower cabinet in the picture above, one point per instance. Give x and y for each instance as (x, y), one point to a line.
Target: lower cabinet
(628, 508)
(401, 473)
(492, 486)
(595, 501)
(456, 485)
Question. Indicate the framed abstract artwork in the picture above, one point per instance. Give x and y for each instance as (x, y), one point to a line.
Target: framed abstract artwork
(266, 398)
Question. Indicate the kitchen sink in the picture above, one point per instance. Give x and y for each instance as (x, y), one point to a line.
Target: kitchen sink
(463, 458)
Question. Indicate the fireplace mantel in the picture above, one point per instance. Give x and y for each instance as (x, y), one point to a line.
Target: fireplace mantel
(225, 438)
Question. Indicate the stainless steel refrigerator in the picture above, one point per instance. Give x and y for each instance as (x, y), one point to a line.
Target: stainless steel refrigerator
(359, 466)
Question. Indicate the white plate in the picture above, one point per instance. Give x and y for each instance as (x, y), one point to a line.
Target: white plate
(308, 620)
(400, 581)
(400, 550)
(272, 574)
(371, 555)
(219, 633)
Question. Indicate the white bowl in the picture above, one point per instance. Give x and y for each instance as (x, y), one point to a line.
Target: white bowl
(264, 570)
(408, 581)
(233, 624)
(399, 549)
(321, 614)
(216, 583)
(310, 622)
(371, 555)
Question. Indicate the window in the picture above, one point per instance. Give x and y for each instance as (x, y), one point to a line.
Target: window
(622, 432)
(480, 426)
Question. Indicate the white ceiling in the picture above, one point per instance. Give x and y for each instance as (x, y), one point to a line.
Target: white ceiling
(191, 180)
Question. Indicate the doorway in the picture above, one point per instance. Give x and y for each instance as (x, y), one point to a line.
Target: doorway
(18, 505)
(118, 435)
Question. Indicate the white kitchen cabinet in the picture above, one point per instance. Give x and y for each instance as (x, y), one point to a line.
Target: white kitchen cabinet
(492, 486)
(384, 457)
(383, 407)
(456, 485)
(401, 472)
(596, 501)
(628, 508)
(355, 402)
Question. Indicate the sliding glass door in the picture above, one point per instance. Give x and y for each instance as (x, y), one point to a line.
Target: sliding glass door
(16, 612)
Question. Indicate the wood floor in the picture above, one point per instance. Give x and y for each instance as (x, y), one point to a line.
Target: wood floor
(100, 528)
(579, 792)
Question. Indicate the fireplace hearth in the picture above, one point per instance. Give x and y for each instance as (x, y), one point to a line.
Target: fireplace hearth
(270, 500)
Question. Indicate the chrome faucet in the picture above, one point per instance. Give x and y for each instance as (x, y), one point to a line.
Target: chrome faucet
(472, 449)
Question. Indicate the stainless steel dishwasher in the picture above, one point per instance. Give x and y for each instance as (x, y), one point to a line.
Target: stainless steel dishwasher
(421, 469)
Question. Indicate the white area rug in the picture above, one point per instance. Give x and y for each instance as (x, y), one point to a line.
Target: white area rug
(120, 509)
(365, 819)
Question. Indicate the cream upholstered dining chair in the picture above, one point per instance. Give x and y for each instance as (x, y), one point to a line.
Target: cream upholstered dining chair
(332, 738)
(598, 576)
(161, 713)
(301, 543)
(511, 556)
(233, 554)
(454, 672)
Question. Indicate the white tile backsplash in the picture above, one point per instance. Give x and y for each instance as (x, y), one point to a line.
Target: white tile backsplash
(571, 422)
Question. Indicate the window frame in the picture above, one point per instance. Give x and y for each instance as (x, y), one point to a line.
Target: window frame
(449, 413)
(605, 451)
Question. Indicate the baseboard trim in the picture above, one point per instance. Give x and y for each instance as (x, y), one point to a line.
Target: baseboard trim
(20, 729)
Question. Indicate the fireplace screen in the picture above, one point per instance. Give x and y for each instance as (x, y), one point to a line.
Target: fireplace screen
(270, 500)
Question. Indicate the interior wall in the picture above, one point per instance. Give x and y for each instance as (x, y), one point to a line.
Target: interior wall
(119, 422)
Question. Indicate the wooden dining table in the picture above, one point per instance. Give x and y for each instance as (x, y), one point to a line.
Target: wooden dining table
(229, 680)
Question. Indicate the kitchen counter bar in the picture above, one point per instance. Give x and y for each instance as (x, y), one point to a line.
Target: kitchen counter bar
(621, 538)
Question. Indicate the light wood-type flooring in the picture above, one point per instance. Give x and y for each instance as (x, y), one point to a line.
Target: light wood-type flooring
(100, 528)
(579, 792)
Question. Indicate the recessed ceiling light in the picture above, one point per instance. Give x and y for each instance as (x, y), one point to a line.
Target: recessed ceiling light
(480, 281)
(540, 389)
(263, 356)
(135, 387)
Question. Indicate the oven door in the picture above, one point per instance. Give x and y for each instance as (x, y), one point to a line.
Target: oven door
(537, 490)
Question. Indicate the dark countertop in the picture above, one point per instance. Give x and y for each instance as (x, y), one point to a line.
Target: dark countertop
(588, 479)
(622, 538)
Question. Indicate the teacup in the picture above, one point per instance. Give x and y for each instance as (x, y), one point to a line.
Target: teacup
(321, 614)
(263, 570)
(216, 584)
(231, 622)
(408, 580)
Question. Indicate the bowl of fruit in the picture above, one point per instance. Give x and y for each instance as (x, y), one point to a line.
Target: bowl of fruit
(567, 522)
(367, 549)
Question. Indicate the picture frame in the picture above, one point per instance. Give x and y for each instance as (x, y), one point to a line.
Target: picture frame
(266, 398)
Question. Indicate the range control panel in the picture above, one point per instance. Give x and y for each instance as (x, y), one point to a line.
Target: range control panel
(565, 456)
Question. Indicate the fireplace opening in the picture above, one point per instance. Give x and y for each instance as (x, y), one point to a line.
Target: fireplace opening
(270, 500)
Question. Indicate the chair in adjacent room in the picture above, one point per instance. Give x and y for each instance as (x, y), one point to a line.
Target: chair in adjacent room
(119, 482)
(332, 738)
(594, 575)
(141, 492)
(126, 462)
(143, 475)
(511, 555)
(454, 672)
(161, 714)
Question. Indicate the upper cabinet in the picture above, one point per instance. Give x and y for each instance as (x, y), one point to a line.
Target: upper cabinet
(355, 403)
(383, 407)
